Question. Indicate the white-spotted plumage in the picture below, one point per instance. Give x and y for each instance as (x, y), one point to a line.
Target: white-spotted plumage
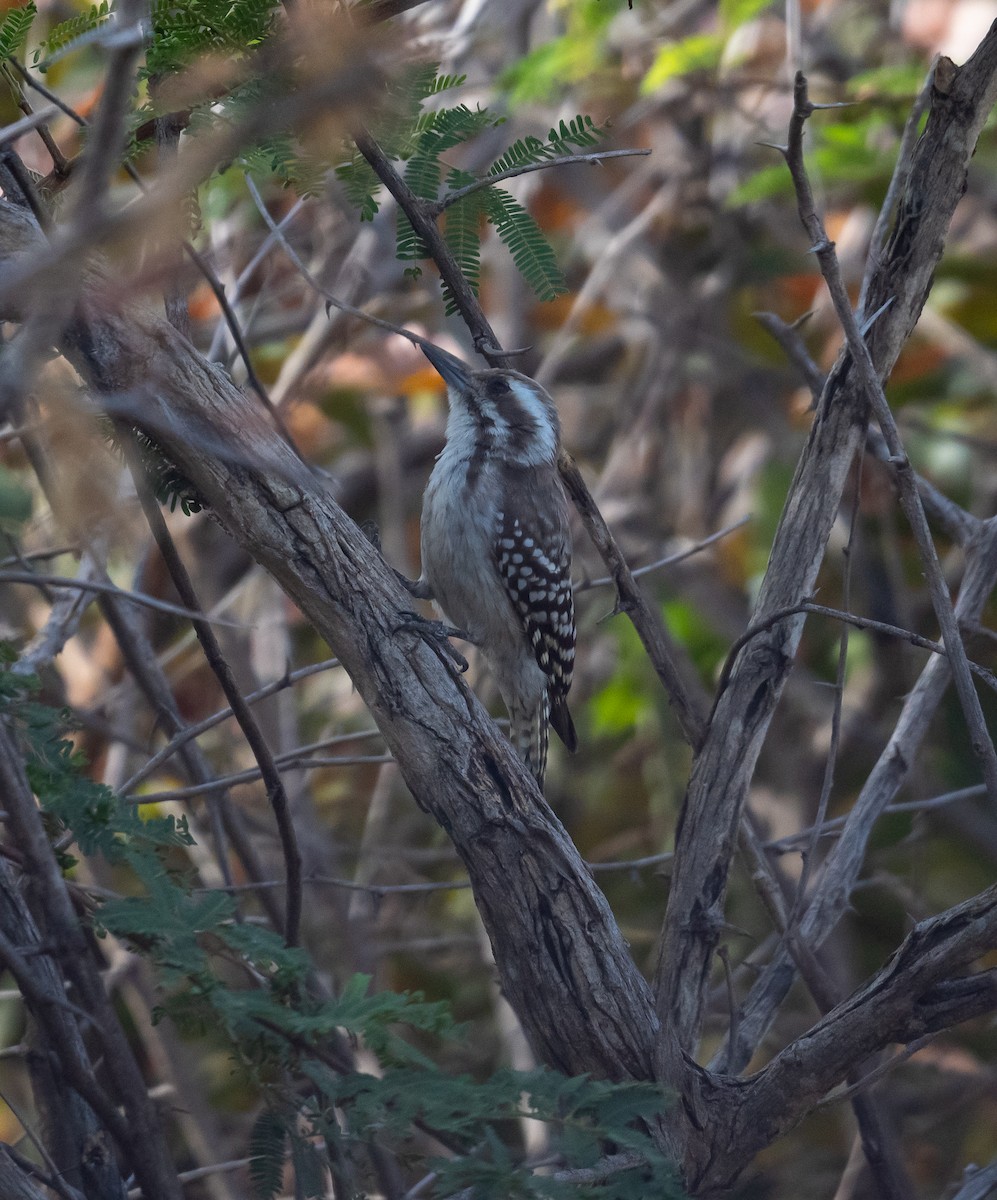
(496, 546)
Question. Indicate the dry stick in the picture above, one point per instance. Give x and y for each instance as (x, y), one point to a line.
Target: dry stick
(898, 182)
(788, 337)
(979, 1183)
(983, 746)
(195, 731)
(289, 761)
(109, 589)
(78, 1124)
(10, 1189)
(54, 1182)
(61, 624)
(784, 845)
(649, 627)
(839, 614)
(138, 1130)
(839, 873)
(954, 521)
(839, 693)
(79, 1074)
(425, 227)
(918, 991)
(195, 256)
(106, 143)
(141, 659)
(226, 820)
(670, 560)
(10, 133)
(721, 775)
(276, 794)
(686, 699)
(600, 271)
(247, 272)
(878, 1141)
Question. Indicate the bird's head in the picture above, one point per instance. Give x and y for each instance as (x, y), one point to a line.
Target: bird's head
(509, 410)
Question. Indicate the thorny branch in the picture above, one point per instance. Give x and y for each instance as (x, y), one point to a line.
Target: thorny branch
(872, 387)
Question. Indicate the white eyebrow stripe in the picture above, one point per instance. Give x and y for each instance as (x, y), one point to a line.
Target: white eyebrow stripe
(539, 412)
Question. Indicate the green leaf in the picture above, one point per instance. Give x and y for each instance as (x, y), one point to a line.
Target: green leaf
(14, 28)
(576, 56)
(530, 250)
(62, 37)
(700, 52)
(579, 131)
(360, 184)
(901, 80)
(735, 13)
(761, 185)
(183, 32)
(266, 1154)
(462, 234)
(443, 83)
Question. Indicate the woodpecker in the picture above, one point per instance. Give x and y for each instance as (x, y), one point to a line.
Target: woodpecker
(496, 545)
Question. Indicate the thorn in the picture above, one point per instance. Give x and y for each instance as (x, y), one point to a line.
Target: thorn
(876, 315)
(821, 246)
(485, 348)
(783, 150)
(836, 104)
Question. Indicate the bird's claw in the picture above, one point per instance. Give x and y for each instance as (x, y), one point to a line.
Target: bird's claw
(437, 634)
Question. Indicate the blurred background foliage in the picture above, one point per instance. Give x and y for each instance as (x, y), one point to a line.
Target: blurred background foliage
(683, 412)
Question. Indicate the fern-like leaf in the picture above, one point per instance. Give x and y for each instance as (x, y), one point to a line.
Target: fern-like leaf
(360, 184)
(579, 131)
(435, 132)
(443, 83)
(14, 29)
(462, 233)
(520, 154)
(68, 35)
(181, 32)
(530, 250)
(266, 1154)
(409, 247)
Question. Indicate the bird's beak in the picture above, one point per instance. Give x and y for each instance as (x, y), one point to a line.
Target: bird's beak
(455, 373)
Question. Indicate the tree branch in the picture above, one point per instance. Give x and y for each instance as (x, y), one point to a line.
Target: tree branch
(707, 829)
(536, 896)
(874, 396)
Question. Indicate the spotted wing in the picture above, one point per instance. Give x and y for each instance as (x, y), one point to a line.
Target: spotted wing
(533, 556)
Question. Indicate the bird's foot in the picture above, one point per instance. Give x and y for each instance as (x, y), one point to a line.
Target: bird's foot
(437, 635)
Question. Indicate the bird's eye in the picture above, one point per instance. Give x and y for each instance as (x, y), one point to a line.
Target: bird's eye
(497, 388)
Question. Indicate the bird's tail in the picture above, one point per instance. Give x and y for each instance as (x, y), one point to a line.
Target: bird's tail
(529, 734)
